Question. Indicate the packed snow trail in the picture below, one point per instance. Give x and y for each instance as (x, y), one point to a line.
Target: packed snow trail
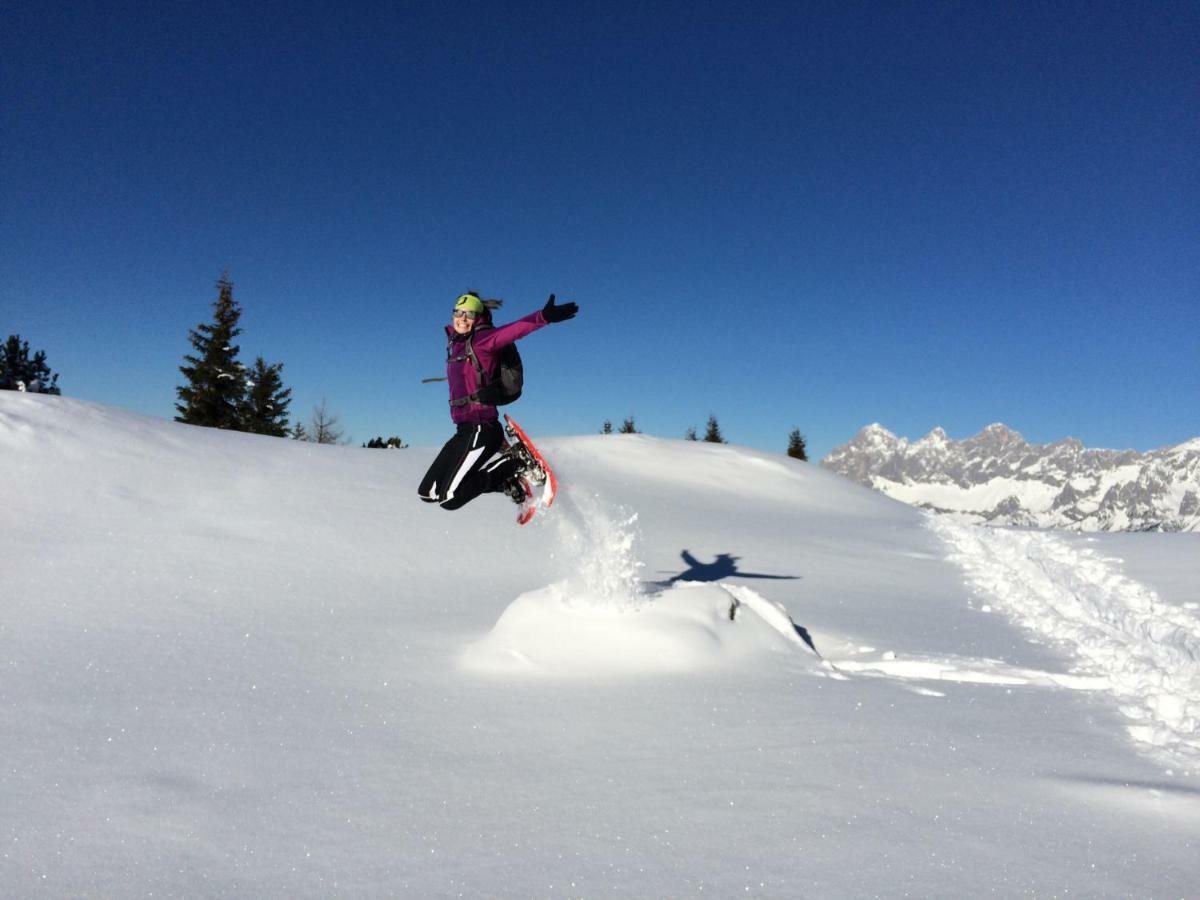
(1148, 650)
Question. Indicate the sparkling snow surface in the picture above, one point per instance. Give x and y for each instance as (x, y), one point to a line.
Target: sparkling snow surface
(242, 666)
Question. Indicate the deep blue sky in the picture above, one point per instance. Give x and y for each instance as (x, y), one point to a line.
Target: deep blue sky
(812, 215)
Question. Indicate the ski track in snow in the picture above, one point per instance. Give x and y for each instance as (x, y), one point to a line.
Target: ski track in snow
(964, 670)
(1118, 629)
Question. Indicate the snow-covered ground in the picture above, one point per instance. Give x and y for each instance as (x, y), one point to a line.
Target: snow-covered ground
(241, 666)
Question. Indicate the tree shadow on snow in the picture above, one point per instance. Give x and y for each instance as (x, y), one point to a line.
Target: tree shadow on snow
(1149, 787)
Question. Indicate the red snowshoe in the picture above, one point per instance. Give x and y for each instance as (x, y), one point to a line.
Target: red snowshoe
(536, 472)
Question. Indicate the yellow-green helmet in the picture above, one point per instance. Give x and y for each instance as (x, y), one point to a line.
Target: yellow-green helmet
(469, 301)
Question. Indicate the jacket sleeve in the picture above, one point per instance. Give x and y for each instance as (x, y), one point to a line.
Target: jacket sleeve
(503, 335)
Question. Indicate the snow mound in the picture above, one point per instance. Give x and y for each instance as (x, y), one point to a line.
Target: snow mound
(690, 627)
(599, 620)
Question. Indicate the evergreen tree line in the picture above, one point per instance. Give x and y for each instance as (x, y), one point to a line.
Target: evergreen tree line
(219, 391)
(796, 445)
(20, 372)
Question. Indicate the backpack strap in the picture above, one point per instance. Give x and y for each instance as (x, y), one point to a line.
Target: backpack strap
(481, 380)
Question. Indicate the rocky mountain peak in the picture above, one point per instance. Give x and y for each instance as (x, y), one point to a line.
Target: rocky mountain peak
(996, 476)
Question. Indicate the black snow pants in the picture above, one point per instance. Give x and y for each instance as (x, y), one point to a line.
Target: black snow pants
(469, 465)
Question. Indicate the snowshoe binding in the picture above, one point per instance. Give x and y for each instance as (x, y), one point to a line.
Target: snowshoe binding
(520, 492)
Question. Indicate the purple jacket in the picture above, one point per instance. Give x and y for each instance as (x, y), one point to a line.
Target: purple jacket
(486, 341)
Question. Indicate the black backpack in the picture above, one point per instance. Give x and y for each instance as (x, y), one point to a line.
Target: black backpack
(501, 390)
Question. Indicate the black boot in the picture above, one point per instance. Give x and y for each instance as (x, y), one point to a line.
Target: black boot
(517, 489)
(528, 466)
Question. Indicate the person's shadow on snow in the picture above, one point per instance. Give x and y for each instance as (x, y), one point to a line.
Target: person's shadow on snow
(725, 566)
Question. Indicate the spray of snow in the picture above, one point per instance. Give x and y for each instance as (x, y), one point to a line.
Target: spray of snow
(1116, 627)
(599, 545)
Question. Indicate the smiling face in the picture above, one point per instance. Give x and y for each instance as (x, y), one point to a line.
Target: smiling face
(467, 309)
(464, 321)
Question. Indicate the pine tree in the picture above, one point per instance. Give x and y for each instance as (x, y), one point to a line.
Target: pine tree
(17, 369)
(690, 434)
(606, 428)
(216, 382)
(265, 406)
(712, 433)
(627, 427)
(797, 449)
(299, 432)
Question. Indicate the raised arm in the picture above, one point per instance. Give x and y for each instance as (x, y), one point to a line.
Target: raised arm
(514, 331)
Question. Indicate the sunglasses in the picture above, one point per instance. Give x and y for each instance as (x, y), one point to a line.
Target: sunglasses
(467, 314)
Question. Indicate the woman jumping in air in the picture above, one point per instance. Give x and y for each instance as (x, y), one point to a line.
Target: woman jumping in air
(470, 463)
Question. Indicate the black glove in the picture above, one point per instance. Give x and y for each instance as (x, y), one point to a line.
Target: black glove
(559, 313)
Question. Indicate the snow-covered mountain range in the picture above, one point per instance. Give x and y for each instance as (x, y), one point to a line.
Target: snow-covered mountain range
(999, 478)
